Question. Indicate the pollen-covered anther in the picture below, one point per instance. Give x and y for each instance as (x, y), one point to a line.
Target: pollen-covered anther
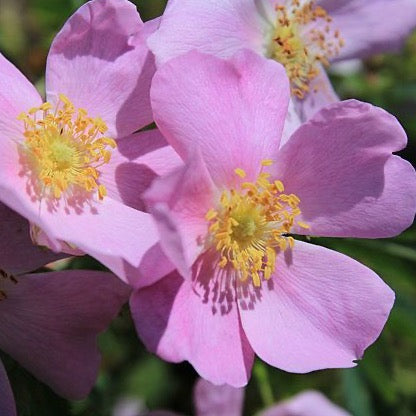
(250, 223)
(64, 149)
(303, 39)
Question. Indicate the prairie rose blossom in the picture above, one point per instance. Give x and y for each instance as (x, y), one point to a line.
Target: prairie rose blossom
(243, 285)
(305, 36)
(75, 165)
(49, 321)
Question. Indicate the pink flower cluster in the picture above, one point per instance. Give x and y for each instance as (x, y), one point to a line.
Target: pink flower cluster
(201, 215)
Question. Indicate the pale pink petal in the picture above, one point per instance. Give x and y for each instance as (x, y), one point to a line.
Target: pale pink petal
(320, 310)
(135, 163)
(211, 400)
(18, 254)
(7, 405)
(307, 403)
(17, 95)
(370, 27)
(196, 109)
(181, 321)
(340, 165)
(101, 62)
(179, 202)
(50, 322)
(217, 27)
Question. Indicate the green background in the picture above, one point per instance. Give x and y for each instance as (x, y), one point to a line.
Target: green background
(384, 383)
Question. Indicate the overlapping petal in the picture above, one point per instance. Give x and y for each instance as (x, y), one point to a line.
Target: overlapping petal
(135, 163)
(179, 203)
(49, 324)
(218, 27)
(320, 310)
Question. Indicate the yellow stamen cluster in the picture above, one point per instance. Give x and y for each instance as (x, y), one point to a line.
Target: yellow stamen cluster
(250, 223)
(64, 149)
(300, 45)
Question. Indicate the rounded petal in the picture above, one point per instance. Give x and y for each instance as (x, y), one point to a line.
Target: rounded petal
(18, 254)
(179, 203)
(237, 116)
(320, 310)
(340, 165)
(390, 22)
(211, 400)
(7, 405)
(178, 324)
(50, 323)
(217, 27)
(101, 62)
(307, 403)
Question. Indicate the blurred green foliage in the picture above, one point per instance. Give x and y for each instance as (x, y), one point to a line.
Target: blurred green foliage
(384, 382)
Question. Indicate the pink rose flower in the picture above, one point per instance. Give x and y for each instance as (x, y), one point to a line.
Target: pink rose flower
(75, 166)
(243, 285)
(305, 36)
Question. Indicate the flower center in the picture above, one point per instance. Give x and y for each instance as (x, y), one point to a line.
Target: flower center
(300, 44)
(250, 223)
(63, 150)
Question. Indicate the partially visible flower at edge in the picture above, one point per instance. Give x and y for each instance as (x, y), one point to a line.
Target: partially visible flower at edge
(76, 165)
(49, 321)
(305, 36)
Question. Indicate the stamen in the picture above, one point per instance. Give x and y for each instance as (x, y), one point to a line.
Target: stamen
(300, 45)
(63, 150)
(250, 223)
